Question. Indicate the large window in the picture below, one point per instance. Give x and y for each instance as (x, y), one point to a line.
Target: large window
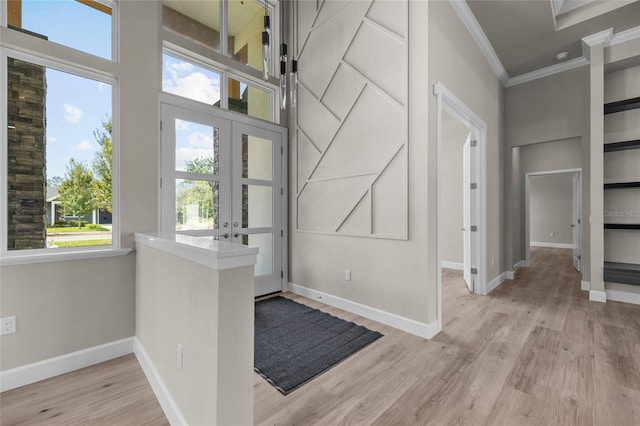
(232, 28)
(202, 83)
(57, 127)
(84, 25)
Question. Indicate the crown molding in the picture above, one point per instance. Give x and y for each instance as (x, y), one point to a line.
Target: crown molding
(623, 36)
(466, 15)
(597, 38)
(547, 71)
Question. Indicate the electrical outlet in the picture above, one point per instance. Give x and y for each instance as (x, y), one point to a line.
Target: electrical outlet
(347, 274)
(7, 325)
(179, 355)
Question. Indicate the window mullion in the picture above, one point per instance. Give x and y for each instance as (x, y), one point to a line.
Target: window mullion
(224, 90)
(224, 28)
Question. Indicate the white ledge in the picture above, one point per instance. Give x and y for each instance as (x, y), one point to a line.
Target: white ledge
(206, 251)
(57, 255)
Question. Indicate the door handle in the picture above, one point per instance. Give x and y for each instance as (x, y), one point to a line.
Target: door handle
(226, 235)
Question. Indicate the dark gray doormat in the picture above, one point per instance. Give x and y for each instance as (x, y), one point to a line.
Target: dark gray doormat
(295, 343)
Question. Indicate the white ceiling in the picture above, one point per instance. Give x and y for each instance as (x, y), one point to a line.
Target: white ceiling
(523, 32)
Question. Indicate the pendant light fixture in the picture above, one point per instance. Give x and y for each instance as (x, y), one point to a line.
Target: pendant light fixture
(266, 36)
(293, 82)
(283, 76)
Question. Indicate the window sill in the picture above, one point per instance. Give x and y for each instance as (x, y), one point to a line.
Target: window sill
(56, 256)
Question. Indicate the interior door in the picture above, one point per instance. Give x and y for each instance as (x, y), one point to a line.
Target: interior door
(576, 225)
(257, 194)
(466, 212)
(223, 175)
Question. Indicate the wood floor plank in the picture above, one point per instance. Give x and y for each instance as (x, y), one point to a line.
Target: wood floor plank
(535, 351)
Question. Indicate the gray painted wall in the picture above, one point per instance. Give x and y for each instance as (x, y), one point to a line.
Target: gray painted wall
(456, 61)
(551, 208)
(61, 307)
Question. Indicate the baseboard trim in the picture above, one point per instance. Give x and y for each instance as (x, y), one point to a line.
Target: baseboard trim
(597, 296)
(511, 275)
(167, 403)
(551, 245)
(585, 285)
(493, 284)
(452, 265)
(420, 329)
(623, 296)
(42, 370)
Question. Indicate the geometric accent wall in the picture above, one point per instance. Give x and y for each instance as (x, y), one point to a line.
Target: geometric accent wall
(351, 121)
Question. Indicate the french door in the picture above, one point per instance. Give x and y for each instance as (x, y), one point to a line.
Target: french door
(224, 176)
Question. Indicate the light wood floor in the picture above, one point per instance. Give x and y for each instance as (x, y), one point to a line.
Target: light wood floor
(534, 352)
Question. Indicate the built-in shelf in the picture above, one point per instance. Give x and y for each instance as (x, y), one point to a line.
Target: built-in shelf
(622, 146)
(622, 226)
(624, 105)
(623, 273)
(619, 185)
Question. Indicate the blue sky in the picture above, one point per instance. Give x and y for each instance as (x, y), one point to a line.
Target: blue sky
(75, 105)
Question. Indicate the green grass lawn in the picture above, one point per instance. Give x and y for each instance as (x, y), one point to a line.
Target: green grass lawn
(69, 229)
(83, 243)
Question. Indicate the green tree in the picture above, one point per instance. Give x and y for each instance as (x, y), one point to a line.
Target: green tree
(54, 182)
(76, 190)
(102, 166)
(200, 193)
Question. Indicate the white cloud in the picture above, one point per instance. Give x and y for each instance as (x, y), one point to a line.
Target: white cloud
(102, 86)
(51, 139)
(83, 146)
(182, 125)
(188, 154)
(72, 113)
(181, 79)
(200, 140)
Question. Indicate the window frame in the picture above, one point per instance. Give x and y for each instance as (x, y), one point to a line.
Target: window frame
(225, 73)
(18, 45)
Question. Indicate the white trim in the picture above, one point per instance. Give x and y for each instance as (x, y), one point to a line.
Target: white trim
(623, 36)
(623, 296)
(396, 321)
(447, 101)
(547, 71)
(520, 264)
(466, 15)
(494, 283)
(551, 245)
(54, 255)
(452, 265)
(597, 38)
(527, 215)
(597, 296)
(167, 403)
(206, 251)
(42, 370)
(585, 285)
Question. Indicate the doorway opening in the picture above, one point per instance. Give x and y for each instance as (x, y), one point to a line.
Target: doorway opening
(461, 176)
(553, 212)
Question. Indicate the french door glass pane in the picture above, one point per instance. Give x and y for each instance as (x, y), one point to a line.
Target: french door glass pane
(197, 148)
(197, 204)
(257, 158)
(257, 206)
(264, 242)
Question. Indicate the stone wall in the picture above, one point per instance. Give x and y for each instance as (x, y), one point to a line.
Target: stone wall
(27, 184)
